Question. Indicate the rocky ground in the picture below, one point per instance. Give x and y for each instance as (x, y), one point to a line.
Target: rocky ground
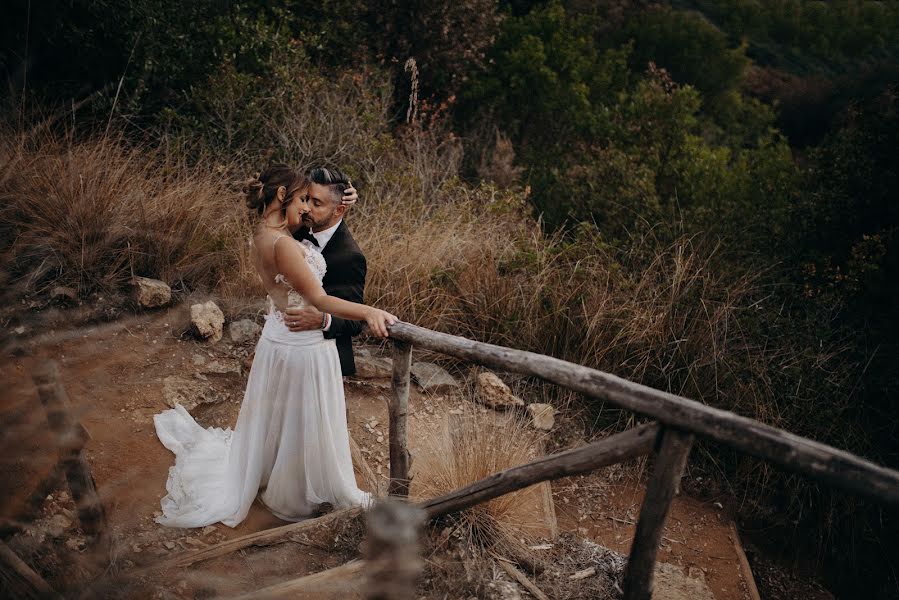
(118, 375)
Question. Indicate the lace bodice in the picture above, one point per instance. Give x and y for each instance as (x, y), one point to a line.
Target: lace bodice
(318, 267)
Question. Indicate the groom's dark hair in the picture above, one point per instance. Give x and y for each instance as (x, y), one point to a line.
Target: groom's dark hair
(336, 180)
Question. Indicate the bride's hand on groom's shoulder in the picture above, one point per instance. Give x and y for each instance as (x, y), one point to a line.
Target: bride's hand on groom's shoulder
(378, 320)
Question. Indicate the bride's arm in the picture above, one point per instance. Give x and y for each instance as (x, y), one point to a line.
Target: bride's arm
(290, 261)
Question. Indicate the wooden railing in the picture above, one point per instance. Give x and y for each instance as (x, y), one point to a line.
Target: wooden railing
(670, 439)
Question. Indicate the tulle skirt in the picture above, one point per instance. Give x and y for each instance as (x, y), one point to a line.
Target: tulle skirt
(291, 440)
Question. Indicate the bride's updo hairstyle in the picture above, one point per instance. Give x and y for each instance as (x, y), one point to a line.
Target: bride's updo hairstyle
(261, 190)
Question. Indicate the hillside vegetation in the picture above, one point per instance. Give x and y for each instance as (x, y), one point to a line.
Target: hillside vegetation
(698, 196)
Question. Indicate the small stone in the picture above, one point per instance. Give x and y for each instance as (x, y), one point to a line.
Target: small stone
(222, 367)
(380, 439)
(136, 548)
(57, 525)
(542, 416)
(63, 294)
(434, 379)
(19, 330)
(189, 393)
(583, 574)
(169, 545)
(151, 293)
(244, 330)
(76, 543)
(207, 320)
(493, 392)
(199, 360)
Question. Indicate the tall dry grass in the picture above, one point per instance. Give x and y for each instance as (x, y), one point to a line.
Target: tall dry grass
(91, 214)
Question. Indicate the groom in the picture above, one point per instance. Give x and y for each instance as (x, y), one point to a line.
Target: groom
(345, 278)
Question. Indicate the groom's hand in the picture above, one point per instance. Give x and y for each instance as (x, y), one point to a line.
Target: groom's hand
(303, 319)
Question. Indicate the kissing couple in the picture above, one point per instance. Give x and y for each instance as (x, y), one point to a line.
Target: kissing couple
(291, 441)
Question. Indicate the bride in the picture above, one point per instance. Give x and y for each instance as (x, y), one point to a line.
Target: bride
(291, 438)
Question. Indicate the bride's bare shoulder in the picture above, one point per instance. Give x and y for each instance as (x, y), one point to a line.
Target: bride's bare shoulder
(269, 242)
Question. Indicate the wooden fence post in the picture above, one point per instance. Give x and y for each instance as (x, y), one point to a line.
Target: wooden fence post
(391, 550)
(71, 437)
(670, 460)
(400, 460)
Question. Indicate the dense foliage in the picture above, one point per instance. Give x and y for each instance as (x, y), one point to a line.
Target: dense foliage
(763, 131)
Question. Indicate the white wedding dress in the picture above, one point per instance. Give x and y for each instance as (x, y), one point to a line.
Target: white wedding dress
(290, 441)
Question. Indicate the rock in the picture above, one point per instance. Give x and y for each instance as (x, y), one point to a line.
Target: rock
(492, 392)
(19, 330)
(373, 367)
(670, 581)
(542, 416)
(244, 331)
(151, 293)
(504, 590)
(189, 393)
(199, 360)
(63, 295)
(57, 525)
(169, 545)
(434, 379)
(76, 543)
(222, 367)
(207, 320)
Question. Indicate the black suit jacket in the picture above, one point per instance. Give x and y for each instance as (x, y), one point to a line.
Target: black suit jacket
(344, 279)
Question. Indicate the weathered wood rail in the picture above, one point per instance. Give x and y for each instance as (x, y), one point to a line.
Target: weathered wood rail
(670, 439)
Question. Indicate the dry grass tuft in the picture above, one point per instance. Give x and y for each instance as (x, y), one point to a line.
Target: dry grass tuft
(474, 446)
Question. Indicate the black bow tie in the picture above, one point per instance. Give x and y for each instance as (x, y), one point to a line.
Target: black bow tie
(306, 234)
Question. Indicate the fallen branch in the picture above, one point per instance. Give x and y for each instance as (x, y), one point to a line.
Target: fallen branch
(345, 579)
(520, 577)
(267, 537)
(368, 474)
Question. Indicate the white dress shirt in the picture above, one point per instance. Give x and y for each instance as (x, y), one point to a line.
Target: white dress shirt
(323, 237)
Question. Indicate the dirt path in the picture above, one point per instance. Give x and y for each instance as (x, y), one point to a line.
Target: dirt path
(114, 378)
